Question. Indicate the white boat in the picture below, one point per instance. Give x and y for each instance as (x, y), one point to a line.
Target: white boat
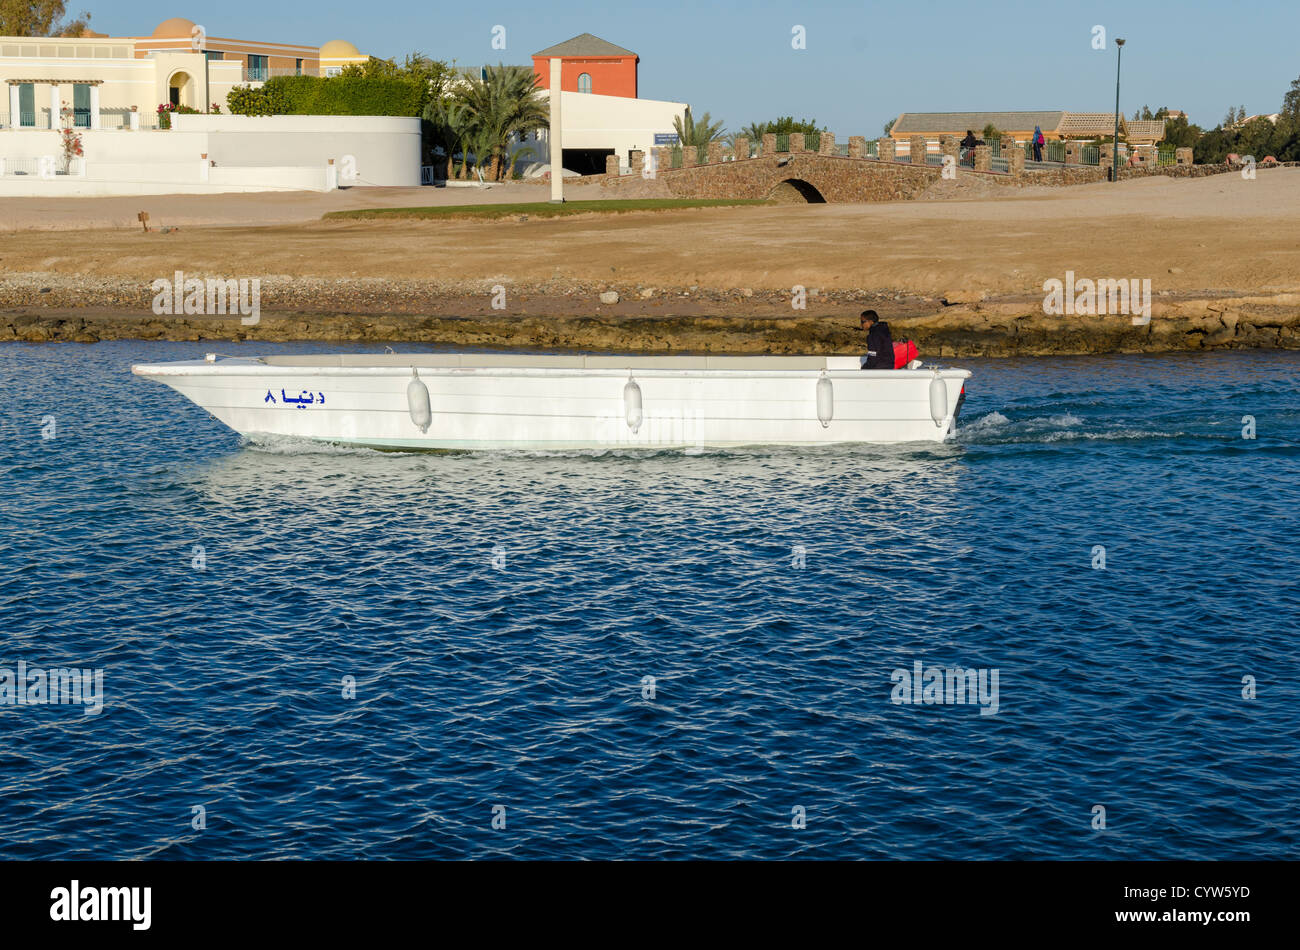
(498, 401)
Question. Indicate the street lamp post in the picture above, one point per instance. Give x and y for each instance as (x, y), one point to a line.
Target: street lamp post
(1114, 161)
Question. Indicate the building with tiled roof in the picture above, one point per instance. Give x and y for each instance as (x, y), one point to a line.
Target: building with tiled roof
(934, 124)
(591, 65)
(1143, 131)
(1019, 126)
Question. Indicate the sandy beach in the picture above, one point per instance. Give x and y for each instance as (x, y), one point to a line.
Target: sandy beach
(1218, 249)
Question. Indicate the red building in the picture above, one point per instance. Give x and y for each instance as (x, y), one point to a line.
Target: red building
(589, 64)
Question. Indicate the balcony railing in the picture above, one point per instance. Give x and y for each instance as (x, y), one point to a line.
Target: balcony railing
(263, 73)
(58, 166)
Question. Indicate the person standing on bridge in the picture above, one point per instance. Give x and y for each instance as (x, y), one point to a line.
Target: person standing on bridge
(968, 148)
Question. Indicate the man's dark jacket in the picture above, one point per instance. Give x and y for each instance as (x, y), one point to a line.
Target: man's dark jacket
(880, 347)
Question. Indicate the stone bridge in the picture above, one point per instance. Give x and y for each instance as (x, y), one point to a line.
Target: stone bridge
(801, 175)
(796, 175)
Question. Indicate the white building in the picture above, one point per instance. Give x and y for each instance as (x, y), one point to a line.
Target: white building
(105, 93)
(594, 126)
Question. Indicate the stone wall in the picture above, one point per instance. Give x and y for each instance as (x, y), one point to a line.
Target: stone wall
(858, 179)
(836, 178)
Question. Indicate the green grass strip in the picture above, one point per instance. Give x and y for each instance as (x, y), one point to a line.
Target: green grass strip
(543, 209)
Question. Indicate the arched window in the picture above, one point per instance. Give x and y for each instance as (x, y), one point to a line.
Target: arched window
(584, 82)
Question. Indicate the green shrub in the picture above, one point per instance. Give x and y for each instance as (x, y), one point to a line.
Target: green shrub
(333, 95)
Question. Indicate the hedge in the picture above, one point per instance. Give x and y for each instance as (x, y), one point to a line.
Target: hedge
(334, 95)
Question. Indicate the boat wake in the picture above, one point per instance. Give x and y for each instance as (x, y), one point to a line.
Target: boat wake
(996, 428)
(271, 444)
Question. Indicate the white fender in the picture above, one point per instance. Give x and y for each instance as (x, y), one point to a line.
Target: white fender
(938, 400)
(417, 401)
(632, 404)
(825, 401)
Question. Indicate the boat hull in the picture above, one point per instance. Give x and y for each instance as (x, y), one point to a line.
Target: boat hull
(571, 403)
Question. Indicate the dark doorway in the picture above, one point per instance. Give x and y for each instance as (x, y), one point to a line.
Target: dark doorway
(586, 161)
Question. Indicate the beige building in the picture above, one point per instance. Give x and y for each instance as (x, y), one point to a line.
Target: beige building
(1019, 126)
(95, 81)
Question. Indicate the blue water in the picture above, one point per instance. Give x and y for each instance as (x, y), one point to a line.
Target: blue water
(521, 684)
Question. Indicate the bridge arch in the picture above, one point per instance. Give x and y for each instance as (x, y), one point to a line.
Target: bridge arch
(797, 191)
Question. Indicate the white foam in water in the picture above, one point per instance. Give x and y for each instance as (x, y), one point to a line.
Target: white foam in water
(294, 445)
(992, 420)
(1065, 420)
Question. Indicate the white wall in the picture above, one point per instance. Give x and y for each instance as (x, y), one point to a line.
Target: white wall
(251, 153)
(386, 149)
(609, 122)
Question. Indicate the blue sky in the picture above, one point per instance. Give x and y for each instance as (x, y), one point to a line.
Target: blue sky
(864, 62)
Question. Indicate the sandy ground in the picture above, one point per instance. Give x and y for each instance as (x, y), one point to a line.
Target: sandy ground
(962, 276)
(1216, 234)
(249, 210)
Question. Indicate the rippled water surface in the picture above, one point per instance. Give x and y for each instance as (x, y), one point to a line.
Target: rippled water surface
(523, 683)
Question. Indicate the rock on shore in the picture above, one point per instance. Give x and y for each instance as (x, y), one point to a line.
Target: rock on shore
(48, 308)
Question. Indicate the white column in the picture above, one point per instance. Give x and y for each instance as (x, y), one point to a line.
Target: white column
(204, 168)
(15, 119)
(135, 121)
(557, 145)
(55, 106)
(331, 176)
(94, 106)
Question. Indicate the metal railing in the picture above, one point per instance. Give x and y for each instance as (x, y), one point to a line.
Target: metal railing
(80, 119)
(1166, 156)
(782, 142)
(26, 120)
(1090, 155)
(31, 167)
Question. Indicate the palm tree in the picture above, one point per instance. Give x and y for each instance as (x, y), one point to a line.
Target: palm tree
(522, 152)
(502, 105)
(692, 132)
(452, 124)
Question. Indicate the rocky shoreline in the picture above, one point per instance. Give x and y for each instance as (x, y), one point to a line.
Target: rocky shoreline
(570, 315)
